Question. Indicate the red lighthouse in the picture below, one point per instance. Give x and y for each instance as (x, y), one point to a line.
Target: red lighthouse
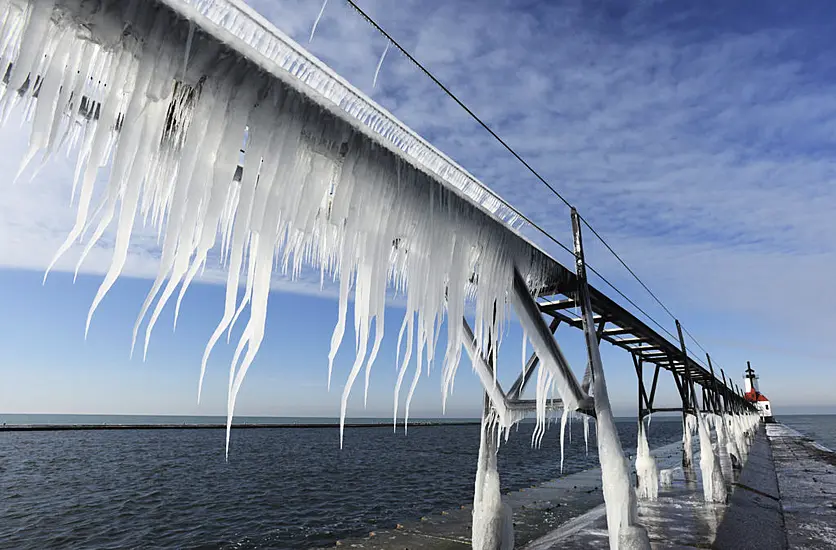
(753, 395)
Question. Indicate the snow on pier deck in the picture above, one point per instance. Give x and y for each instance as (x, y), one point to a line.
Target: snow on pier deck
(807, 481)
(784, 498)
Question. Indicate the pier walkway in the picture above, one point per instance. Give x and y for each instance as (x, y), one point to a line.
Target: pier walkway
(784, 498)
(807, 481)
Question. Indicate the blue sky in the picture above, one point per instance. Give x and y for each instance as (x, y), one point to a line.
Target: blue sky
(696, 137)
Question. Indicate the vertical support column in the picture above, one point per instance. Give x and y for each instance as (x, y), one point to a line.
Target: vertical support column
(619, 496)
(726, 402)
(718, 408)
(688, 406)
(643, 404)
(492, 527)
(726, 464)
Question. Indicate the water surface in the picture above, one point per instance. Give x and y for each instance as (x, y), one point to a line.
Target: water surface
(282, 488)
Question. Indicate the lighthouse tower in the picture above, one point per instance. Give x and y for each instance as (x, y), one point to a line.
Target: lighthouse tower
(753, 395)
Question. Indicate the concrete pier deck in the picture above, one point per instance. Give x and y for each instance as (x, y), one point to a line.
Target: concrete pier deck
(806, 474)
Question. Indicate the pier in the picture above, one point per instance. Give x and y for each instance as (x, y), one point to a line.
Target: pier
(784, 498)
(330, 180)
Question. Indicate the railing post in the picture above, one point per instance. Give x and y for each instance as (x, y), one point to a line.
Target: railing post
(619, 495)
(718, 408)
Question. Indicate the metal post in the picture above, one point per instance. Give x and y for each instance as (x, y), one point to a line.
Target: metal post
(715, 391)
(688, 406)
(688, 383)
(621, 516)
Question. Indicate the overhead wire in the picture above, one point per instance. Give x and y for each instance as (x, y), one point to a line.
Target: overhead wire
(542, 180)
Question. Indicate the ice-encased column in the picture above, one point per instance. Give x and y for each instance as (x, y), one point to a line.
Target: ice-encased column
(619, 496)
(493, 526)
(716, 420)
(731, 441)
(646, 469)
(713, 485)
(689, 423)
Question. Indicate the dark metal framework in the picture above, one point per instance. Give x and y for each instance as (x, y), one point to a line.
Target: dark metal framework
(615, 325)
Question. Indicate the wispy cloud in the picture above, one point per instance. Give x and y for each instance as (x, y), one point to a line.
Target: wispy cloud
(697, 139)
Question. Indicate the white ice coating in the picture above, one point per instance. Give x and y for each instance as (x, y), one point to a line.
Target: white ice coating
(688, 428)
(716, 421)
(586, 434)
(713, 485)
(646, 469)
(619, 495)
(493, 526)
(563, 418)
(666, 477)
(315, 189)
(232, 21)
(731, 440)
(543, 389)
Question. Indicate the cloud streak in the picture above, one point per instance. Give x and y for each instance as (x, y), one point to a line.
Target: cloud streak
(696, 139)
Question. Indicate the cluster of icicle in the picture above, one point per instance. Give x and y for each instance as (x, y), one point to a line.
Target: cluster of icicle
(130, 85)
(263, 40)
(720, 455)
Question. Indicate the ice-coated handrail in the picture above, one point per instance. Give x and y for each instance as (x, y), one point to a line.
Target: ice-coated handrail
(244, 23)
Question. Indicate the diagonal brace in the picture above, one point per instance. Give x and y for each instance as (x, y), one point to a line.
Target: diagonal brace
(546, 348)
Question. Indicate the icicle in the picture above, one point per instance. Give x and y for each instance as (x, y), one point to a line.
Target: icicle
(326, 195)
(318, 17)
(571, 420)
(380, 64)
(586, 433)
(563, 418)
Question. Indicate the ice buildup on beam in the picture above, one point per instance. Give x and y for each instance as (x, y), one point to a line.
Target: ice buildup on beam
(167, 93)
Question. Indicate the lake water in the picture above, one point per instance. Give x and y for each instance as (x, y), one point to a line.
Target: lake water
(282, 487)
(820, 427)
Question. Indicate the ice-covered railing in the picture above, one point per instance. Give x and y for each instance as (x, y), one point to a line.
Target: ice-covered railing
(168, 106)
(278, 53)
